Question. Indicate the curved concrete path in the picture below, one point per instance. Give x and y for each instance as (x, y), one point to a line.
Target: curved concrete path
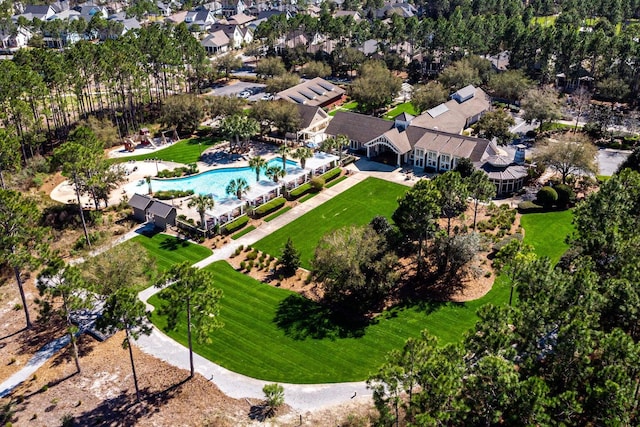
(301, 397)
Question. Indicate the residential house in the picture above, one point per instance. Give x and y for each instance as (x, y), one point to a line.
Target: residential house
(13, 40)
(88, 11)
(216, 42)
(214, 7)
(241, 20)
(464, 109)
(233, 7)
(140, 203)
(235, 34)
(315, 92)
(405, 10)
(31, 12)
(313, 123)
(164, 9)
(352, 13)
(202, 18)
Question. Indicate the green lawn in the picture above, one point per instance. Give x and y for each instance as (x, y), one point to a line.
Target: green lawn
(355, 206)
(406, 107)
(546, 232)
(545, 21)
(169, 250)
(275, 335)
(349, 106)
(185, 151)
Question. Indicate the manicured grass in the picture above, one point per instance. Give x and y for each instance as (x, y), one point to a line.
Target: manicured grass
(545, 21)
(349, 106)
(185, 151)
(169, 250)
(355, 206)
(406, 107)
(277, 214)
(275, 335)
(546, 232)
(243, 232)
(307, 197)
(336, 181)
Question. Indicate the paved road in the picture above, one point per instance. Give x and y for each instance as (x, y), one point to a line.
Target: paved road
(257, 90)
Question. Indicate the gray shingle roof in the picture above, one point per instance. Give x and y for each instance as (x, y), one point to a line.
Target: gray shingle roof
(357, 127)
(140, 201)
(160, 209)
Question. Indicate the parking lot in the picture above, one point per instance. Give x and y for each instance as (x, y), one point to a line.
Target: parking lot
(255, 91)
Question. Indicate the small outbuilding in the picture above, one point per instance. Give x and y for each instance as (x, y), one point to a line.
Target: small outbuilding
(147, 209)
(140, 203)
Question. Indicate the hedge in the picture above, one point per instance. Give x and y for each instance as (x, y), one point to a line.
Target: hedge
(528, 206)
(236, 224)
(172, 194)
(269, 207)
(332, 174)
(299, 191)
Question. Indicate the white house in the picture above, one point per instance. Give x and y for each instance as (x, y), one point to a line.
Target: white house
(203, 18)
(10, 40)
(216, 42)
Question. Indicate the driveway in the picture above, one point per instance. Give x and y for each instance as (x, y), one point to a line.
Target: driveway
(609, 160)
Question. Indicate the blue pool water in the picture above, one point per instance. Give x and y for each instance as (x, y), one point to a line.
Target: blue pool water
(215, 181)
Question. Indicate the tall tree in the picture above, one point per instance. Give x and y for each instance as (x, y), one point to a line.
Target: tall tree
(428, 96)
(481, 189)
(495, 124)
(541, 105)
(510, 85)
(376, 86)
(190, 291)
(568, 154)
(453, 195)
(417, 213)
(64, 293)
(237, 187)
(257, 164)
(123, 310)
(9, 154)
(302, 154)
(22, 241)
(227, 63)
(202, 202)
(183, 112)
(275, 172)
(284, 151)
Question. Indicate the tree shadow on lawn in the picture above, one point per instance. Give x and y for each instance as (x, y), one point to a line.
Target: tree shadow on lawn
(301, 318)
(173, 244)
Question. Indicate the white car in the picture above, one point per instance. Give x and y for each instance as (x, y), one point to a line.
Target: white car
(266, 97)
(244, 95)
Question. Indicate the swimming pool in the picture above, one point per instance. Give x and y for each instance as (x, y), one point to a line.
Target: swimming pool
(215, 181)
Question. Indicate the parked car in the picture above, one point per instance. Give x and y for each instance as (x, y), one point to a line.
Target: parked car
(244, 94)
(266, 97)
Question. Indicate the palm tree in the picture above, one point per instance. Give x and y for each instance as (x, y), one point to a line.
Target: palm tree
(284, 151)
(275, 173)
(202, 202)
(237, 186)
(342, 142)
(257, 163)
(302, 154)
(148, 180)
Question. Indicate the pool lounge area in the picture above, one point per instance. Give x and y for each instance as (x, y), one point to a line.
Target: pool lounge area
(227, 207)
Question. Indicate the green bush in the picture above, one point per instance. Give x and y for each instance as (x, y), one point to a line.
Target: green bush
(528, 206)
(172, 194)
(566, 195)
(252, 255)
(94, 238)
(547, 196)
(236, 224)
(297, 192)
(269, 207)
(317, 183)
(332, 174)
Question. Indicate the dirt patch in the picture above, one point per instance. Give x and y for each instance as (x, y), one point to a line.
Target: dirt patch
(52, 182)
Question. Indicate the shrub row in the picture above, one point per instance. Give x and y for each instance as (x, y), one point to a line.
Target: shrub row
(178, 172)
(269, 207)
(332, 174)
(297, 192)
(236, 224)
(172, 194)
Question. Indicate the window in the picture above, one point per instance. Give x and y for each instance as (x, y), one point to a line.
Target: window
(432, 159)
(445, 162)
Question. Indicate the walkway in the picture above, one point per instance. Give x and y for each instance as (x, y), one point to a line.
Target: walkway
(301, 397)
